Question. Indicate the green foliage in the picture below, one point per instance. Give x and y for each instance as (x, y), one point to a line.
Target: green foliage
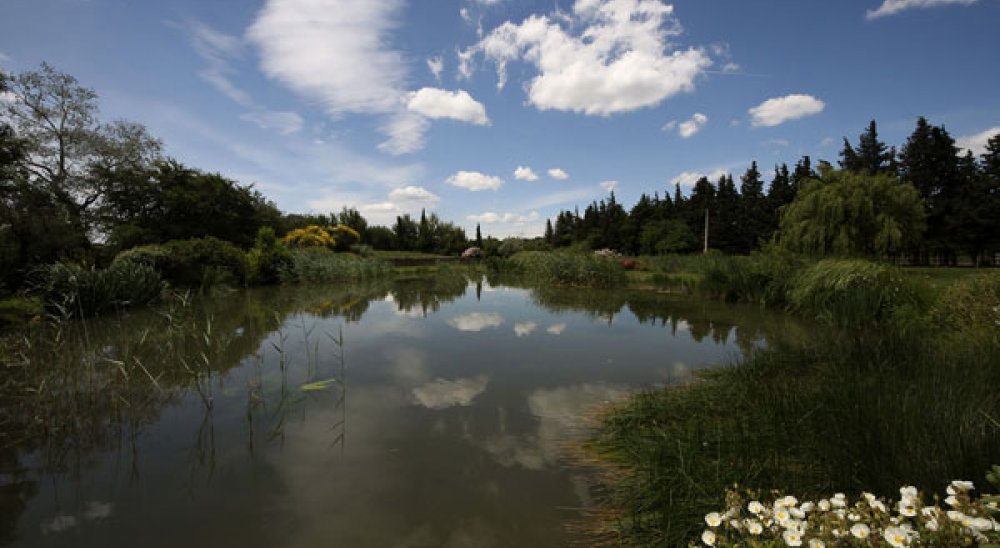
(763, 278)
(853, 293)
(320, 265)
(566, 268)
(971, 304)
(847, 214)
(203, 263)
(14, 310)
(268, 258)
(72, 290)
(835, 414)
(156, 256)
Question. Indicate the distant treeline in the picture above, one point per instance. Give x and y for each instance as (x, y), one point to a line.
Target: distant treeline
(74, 188)
(960, 197)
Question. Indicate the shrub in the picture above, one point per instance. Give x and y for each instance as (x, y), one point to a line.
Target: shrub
(852, 293)
(363, 250)
(268, 258)
(970, 304)
(155, 256)
(344, 237)
(763, 279)
(73, 290)
(310, 236)
(204, 262)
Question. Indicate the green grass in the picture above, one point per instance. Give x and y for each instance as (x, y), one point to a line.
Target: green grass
(900, 390)
(319, 265)
(408, 255)
(570, 269)
(940, 278)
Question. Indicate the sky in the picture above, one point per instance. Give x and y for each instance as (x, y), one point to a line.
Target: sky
(504, 112)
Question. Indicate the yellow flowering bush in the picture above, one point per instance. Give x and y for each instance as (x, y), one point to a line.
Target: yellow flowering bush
(311, 236)
(963, 520)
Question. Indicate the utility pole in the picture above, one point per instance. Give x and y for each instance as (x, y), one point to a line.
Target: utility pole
(706, 231)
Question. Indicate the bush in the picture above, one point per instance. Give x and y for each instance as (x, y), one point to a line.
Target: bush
(853, 293)
(763, 279)
(970, 304)
(321, 265)
(310, 236)
(345, 237)
(155, 256)
(73, 290)
(204, 262)
(268, 258)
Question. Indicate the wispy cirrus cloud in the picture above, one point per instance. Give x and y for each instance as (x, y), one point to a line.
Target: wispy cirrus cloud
(892, 7)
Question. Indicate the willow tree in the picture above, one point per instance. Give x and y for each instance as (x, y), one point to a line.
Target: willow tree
(853, 214)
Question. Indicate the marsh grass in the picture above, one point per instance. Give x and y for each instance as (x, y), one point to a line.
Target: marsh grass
(867, 410)
(569, 269)
(72, 290)
(318, 265)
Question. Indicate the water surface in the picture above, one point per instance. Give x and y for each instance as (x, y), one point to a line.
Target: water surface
(412, 413)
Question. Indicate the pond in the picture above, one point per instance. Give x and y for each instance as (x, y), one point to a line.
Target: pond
(418, 412)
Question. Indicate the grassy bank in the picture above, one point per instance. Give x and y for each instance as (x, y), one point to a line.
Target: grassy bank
(902, 394)
(571, 269)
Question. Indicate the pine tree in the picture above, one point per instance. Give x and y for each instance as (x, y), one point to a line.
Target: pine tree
(479, 237)
(550, 234)
(930, 163)
(871, 157)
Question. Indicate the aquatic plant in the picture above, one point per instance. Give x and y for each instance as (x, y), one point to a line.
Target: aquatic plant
(72, 290)
(320, 265)
(564, 268)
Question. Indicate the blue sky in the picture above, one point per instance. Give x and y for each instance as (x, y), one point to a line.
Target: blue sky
(396, 105)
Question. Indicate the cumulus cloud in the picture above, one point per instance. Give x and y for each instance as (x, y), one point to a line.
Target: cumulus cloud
(413, 194)
(557, 173)
(444, 393)
(976, 143)
(892, 7)
(440, 103)
(523, 329)
(556, 329)
(778, 110)
(475, 181)
(687, 128)
(609, 186)
(436, 66)
(524, 173)
(476, 321)
(604, 57)
(687, 179)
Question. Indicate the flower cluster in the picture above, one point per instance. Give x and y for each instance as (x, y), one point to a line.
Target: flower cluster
(869, 521)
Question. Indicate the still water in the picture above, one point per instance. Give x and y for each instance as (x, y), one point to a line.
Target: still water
(407, 414)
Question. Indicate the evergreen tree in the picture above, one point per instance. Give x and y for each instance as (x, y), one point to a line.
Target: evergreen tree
(780, 194)
(930, 163)
(479, 237)
(870, 157)
(752, 217)
(550, 234)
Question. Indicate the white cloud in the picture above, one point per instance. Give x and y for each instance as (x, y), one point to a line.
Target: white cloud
(439, 103)
(413, 194)
(476, 321)
(436, 66)
(620, 60)
(976, 143)
(687, 128)
(524, 173)
(523, 329)
(556, 329)
(285, 123)
(334, 52)
(557, 173)
(778, 110)
(465, 15)
(406, 132)
(730, 68)
(892, 7)
(609, 186)
(475, 181)
(492, 217)
(443, 393)
(687, 179)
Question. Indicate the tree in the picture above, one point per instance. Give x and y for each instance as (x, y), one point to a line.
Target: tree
(853, 214)
(871, 157)
(69, 154)
(549, 232)
(479, 237)
(753, 215)
(930, 163)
